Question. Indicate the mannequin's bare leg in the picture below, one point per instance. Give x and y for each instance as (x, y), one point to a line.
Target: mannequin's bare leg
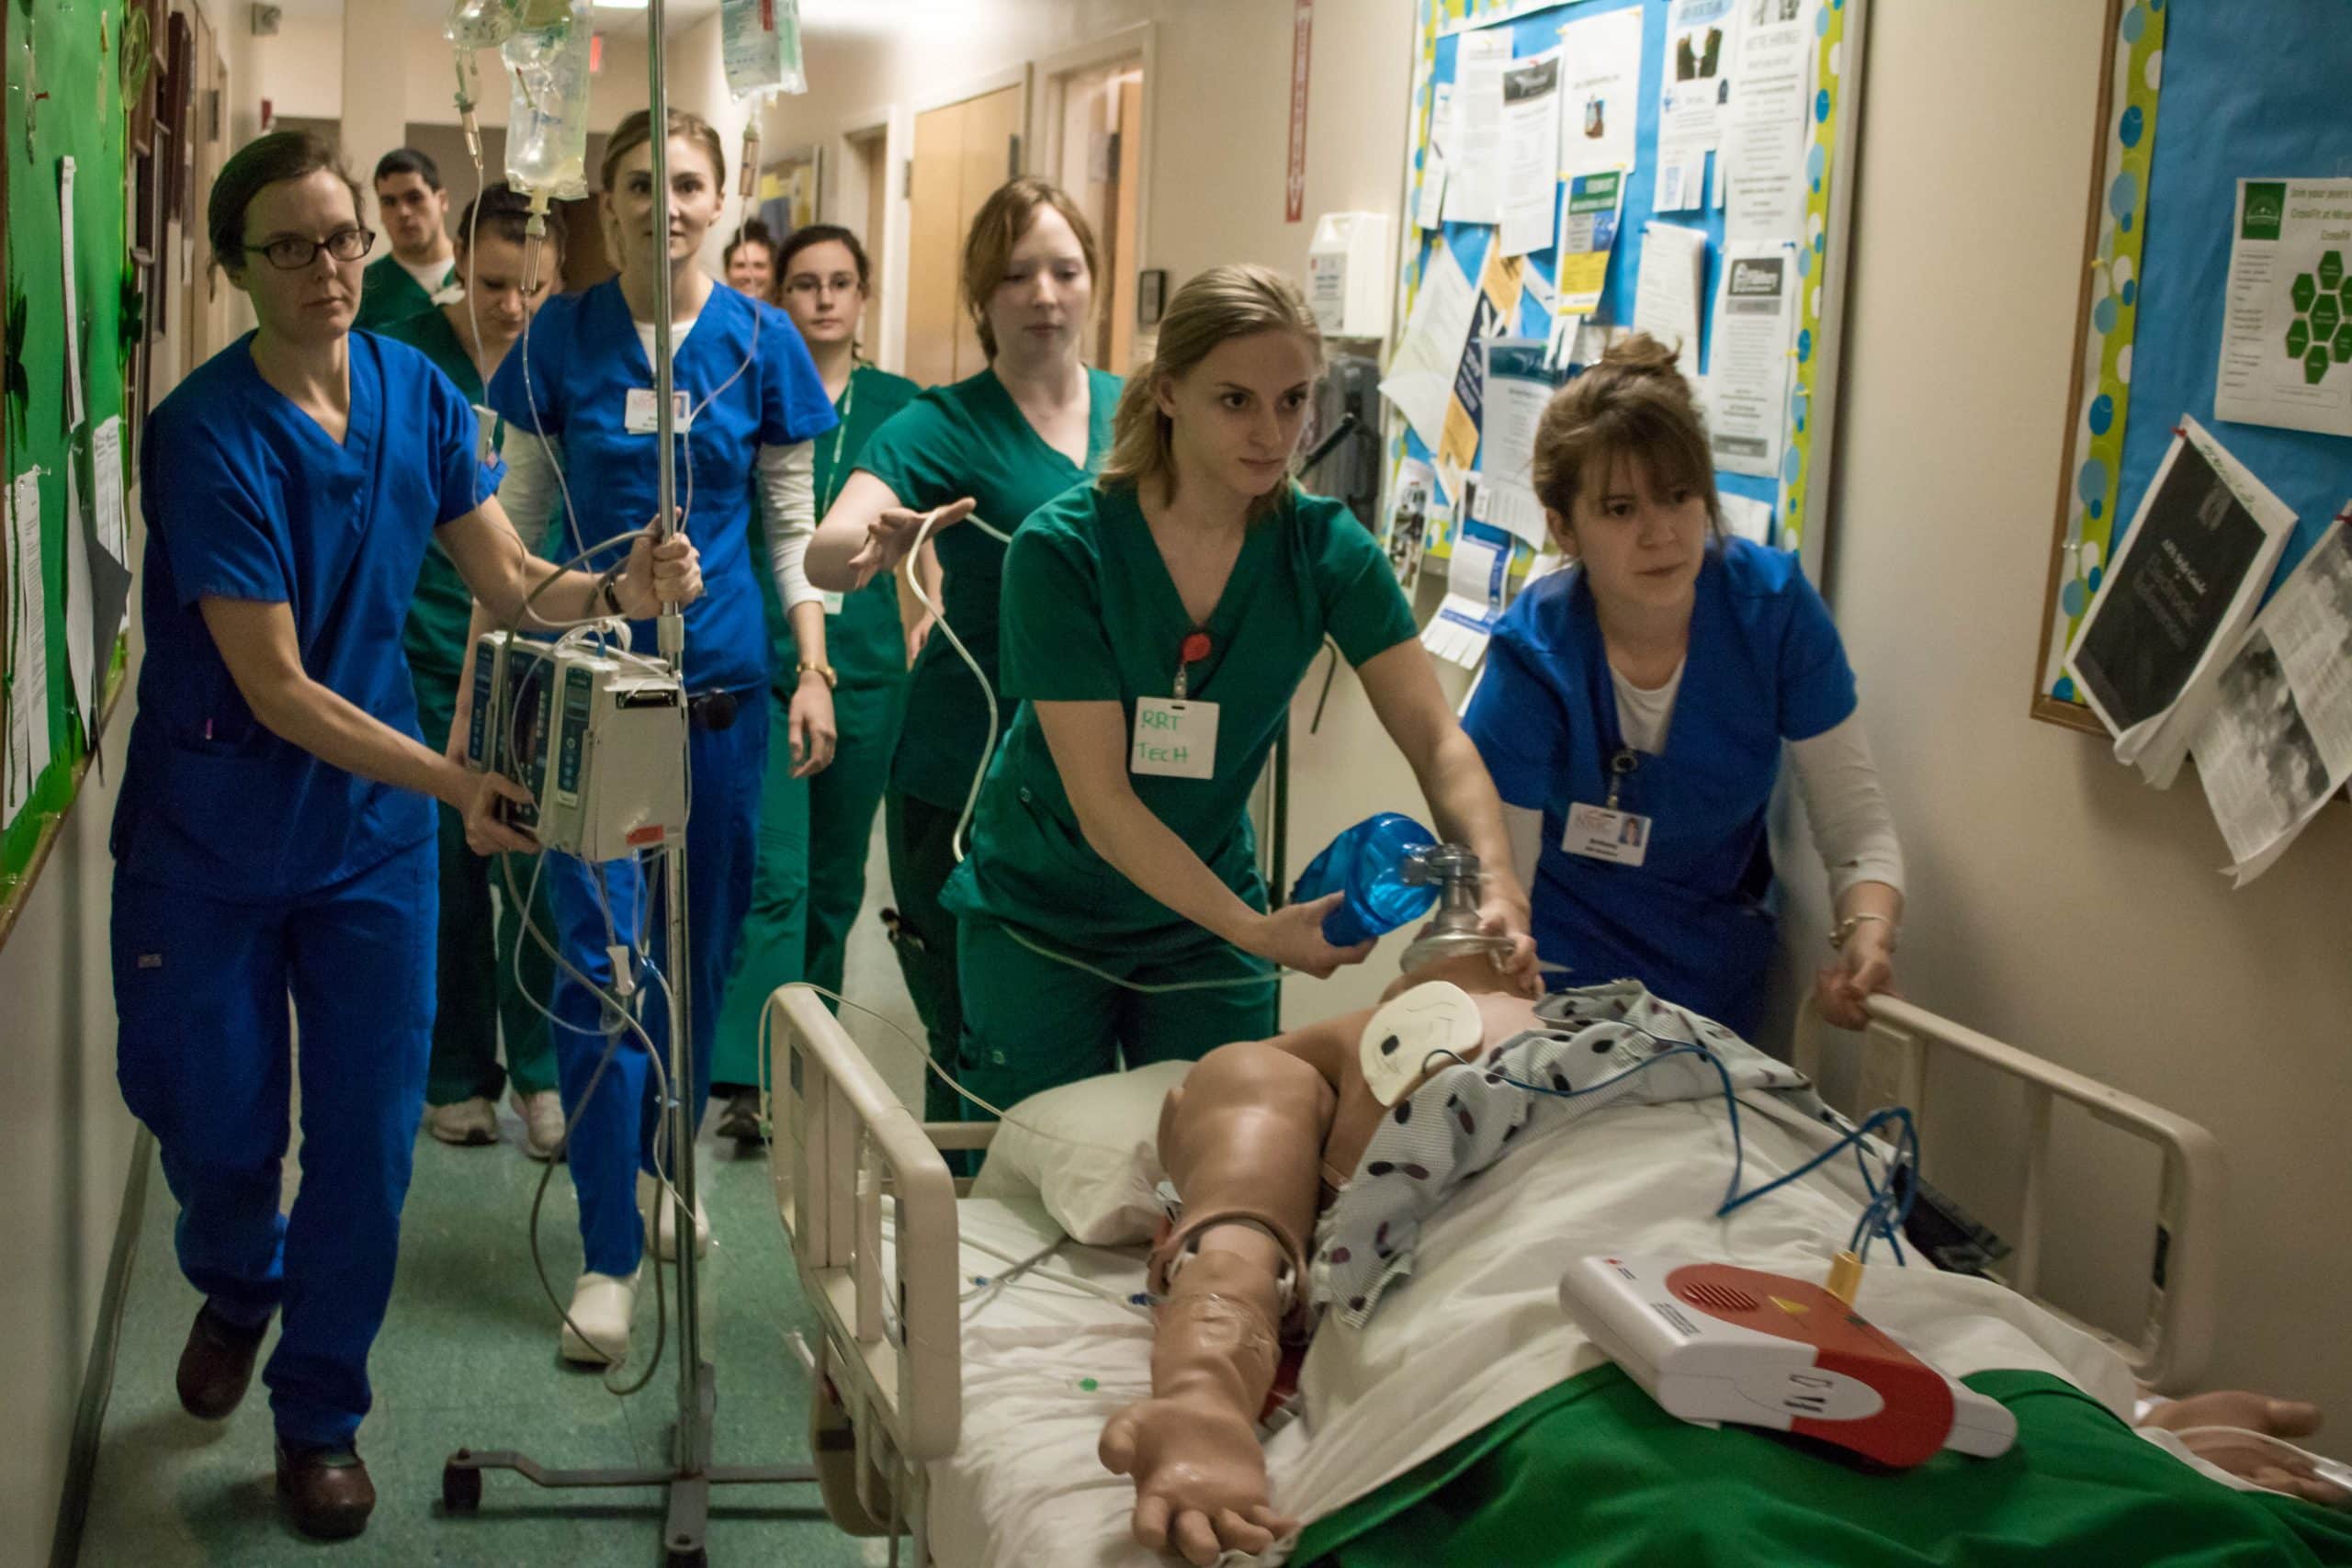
(1245, 1133)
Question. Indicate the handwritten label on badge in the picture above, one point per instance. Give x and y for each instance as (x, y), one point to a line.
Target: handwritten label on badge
(1173, 739)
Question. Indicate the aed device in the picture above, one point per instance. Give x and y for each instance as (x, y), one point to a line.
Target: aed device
(596, 734)
(1712, 1342)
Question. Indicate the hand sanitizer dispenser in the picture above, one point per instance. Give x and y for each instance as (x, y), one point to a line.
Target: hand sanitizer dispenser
(1350, 274)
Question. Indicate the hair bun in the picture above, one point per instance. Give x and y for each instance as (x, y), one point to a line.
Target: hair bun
(1642, 356)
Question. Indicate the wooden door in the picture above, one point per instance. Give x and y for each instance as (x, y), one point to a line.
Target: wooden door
(875, 164)
(963, 153)
(1121, 255)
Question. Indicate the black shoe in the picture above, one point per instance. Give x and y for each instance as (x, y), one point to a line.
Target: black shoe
(740, 1120)
(326, 1492)
(217, 1364)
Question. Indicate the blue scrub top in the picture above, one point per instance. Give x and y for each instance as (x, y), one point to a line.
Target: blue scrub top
(583, 355)
(1694, 922)
(247, 497)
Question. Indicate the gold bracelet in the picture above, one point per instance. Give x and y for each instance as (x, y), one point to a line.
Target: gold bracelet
(1846, 926)
(832, 681)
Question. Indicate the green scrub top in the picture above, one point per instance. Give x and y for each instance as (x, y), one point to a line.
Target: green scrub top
(969, 438)
(389, 294)
(435, 637)
(1090, 614)
(865, 642)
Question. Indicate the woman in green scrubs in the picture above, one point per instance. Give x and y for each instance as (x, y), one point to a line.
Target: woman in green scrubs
(810, 876)
(486, 991)
(992, 447)
(1155, 625)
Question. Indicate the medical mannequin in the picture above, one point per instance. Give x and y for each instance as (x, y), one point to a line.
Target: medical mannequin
(1634, 708)
(1256, 1141)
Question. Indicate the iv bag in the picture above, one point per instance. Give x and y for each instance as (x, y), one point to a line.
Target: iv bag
(479, 23)
(546, 119)
(761, 39)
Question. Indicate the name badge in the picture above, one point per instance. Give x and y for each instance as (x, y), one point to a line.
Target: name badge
(833, 602)
(1174, 739)
(1598, 833)
(639, 416)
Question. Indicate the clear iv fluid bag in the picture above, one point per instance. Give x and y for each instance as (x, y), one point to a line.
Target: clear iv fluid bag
(1367, 864)
(760, 41)
(480, 24)
(546, 119)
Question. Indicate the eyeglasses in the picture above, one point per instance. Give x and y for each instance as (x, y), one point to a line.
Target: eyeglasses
(291, 254)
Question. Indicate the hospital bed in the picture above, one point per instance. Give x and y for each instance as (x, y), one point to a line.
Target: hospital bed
(972, 1404)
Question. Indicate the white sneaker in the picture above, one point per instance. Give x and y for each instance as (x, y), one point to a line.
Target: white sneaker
(663, 1232)
(597, 1332)
(542, 1115)
(468, 1123)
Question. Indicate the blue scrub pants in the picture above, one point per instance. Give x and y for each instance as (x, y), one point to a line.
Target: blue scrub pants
(612, 1135)
(204, 1060)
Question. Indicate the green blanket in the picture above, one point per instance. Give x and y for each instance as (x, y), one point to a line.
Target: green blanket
(1592, 1472)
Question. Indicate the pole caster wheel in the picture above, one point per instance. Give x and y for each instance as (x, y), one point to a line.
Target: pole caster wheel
(690, 1557)
(460, 1488)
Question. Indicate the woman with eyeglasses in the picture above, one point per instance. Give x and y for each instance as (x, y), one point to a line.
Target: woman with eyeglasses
(275, 835)
(810, 877)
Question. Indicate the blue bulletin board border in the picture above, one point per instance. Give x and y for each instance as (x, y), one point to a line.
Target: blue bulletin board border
(1799, 501)
(2257, 89)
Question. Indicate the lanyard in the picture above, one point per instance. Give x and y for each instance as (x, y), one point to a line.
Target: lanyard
(1191, 651)
(833, 475)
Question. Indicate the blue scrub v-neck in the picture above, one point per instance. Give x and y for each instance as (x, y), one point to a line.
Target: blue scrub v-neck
(247, 497)
(1695, 922)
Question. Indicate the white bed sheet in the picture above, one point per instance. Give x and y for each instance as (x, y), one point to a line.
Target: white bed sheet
(1477, 1330)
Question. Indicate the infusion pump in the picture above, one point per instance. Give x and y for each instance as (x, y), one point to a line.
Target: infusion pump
(596, 734)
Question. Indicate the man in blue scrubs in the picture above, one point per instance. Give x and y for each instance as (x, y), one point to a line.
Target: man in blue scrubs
(275, 837)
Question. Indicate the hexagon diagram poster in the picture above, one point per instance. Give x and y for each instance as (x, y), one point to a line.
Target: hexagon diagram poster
(2286, 331)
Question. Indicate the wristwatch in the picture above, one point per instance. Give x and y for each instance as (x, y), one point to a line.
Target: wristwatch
(824, 671)
(1846, 926)
(612, 599)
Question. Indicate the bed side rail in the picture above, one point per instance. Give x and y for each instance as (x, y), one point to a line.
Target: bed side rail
(2184, 1290)
(846, 1146)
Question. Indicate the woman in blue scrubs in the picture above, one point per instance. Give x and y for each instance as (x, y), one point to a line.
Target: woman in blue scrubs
(1635, 708)
(577, 400)
(275, 836)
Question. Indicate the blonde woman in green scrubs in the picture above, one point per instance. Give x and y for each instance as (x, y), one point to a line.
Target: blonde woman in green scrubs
(994, 446)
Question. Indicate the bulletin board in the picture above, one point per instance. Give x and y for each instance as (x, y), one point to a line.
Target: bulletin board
(1798, 492)
(2249, 89)
(67, 68)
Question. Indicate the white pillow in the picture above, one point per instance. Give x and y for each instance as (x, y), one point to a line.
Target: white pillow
(1090, 1150)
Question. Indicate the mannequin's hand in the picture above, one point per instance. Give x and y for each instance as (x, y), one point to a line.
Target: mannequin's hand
(2249, 1458)
(813, 735)
(1293, 937)
(1865, 968)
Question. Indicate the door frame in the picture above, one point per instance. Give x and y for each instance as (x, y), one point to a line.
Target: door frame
(900, 151)
(846, 203)
(1043, 147)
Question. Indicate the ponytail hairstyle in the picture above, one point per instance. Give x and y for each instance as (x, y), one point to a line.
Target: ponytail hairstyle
(1212, 309)
(998, 227)
(1634, 403)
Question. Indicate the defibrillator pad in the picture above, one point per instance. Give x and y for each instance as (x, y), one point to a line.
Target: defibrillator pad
(1590, 1056)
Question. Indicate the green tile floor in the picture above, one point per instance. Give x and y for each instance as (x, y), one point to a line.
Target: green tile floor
(467, 1358)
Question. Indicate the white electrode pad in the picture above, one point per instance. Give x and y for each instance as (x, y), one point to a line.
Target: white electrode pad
(1432, 1017)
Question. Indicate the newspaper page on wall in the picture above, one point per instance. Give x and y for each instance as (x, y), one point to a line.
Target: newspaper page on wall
(2176, 601)
(2278, 741)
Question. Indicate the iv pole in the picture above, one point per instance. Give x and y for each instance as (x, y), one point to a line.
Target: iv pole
(690, 1474)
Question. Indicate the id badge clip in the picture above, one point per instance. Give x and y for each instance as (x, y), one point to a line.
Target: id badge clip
(1174, 737)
